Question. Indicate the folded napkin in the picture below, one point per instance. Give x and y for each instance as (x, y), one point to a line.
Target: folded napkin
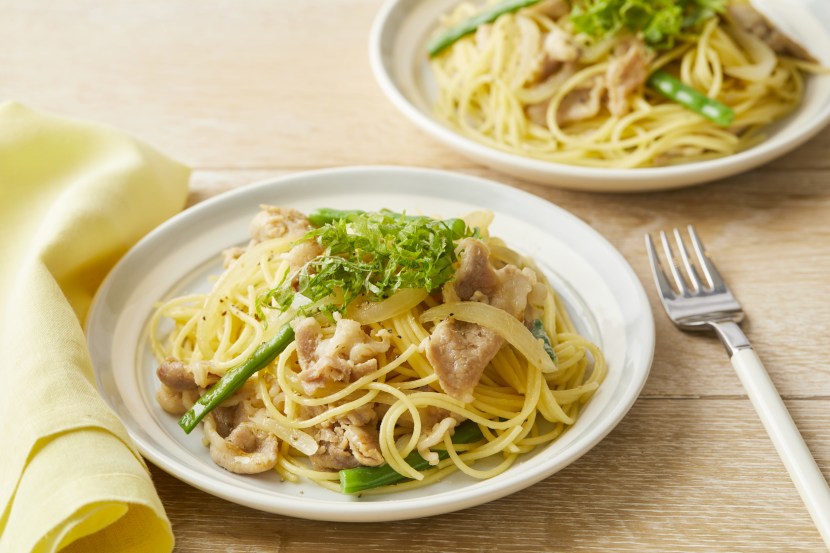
(73, 198)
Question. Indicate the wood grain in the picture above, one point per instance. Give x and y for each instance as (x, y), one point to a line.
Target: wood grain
(677, 475)
(257, 89)
(253, 84)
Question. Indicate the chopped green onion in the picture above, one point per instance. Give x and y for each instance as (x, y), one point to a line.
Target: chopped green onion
(694, 100)
(660, 22)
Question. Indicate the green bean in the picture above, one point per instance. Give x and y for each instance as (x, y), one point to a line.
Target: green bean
(448, 37)
(538, 331)
(364, 478)
(675, 90)
(236, 377)
(325, 215)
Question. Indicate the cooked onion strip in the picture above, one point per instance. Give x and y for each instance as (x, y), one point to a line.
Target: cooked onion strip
(368, 312)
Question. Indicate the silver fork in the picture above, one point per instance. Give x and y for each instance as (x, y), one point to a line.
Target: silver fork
(695, 297)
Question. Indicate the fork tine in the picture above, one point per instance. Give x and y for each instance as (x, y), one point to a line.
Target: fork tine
(715, 280)
(694, 279)
(666, 291)
(678, 280)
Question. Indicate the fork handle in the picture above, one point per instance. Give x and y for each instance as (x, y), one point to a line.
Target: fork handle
(780, 427)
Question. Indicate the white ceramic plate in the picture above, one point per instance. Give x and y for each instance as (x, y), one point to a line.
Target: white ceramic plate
(599, 287)
(397, 52)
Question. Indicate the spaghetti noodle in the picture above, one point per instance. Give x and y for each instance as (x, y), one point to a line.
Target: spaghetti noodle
(367, 383)
(535, 84)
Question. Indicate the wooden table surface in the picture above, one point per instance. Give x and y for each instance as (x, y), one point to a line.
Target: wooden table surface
(252, 89)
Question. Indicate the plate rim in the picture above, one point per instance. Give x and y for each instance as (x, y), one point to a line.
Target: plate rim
(573, 177)
(392, 509)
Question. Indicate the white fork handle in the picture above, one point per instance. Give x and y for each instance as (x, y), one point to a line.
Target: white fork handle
(785, 435)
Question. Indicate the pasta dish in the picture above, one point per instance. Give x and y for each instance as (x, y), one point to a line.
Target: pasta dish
(615, 83)
(371, 352)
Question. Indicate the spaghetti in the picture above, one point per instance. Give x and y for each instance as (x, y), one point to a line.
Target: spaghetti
(534, 83)
(366, 383)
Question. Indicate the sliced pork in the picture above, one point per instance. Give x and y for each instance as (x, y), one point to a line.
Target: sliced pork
(346, 356)
(626, 74)
(582, 103)
(269, 223)
(179, 386)
(346, 446)
(246, 450)
(460, 351)
(345, 441)
(278, 222)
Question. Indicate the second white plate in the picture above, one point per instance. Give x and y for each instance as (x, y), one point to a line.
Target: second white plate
(601, 290)
(397, 53)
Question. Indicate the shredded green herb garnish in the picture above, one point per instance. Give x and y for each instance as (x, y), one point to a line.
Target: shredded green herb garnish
(371, 255)
(660, 22)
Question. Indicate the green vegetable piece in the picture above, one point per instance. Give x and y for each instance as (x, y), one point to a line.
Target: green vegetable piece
(326, 215)
(448, 37)
(538, 331)
(371, 255)
(364, 478)
(659, 22)
(677, 91)
(236, 377)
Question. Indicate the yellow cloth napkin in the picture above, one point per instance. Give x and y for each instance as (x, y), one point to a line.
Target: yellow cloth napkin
(73, 198)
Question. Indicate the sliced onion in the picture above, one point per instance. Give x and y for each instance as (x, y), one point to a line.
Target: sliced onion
(368, 312)
(298, 439)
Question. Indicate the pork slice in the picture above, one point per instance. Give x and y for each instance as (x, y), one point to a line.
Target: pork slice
(475, 273)
(333, 452)
(557, 57)
(278, 222)
(176, 375)
(559, 45)
(177, 380)
(346, 356)
(172, 401)
(477, 280)
(364, 444)
(582, 103)
(269, 223)
(434, 436)
(365, 415)
(246, 450)
(538, 113)
(516, 285)
(459, 352)
(429, 415)
(626, 73)
(345, 441)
